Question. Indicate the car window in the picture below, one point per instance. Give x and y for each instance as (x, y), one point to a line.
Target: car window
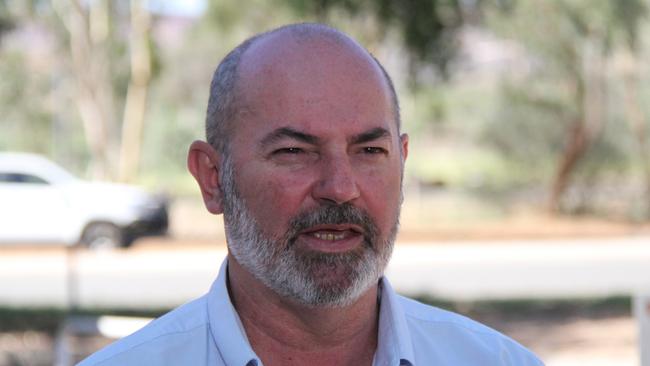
(20, 178)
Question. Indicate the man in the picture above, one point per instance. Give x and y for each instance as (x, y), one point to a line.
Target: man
(305, 160)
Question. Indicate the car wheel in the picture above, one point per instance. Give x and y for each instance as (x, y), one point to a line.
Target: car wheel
(102, 235)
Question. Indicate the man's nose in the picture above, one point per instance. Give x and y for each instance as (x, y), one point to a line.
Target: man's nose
(337, 182)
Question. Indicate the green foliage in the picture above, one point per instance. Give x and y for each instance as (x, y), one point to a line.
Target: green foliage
(50, 319)
(19, 319)
(6, 21)
(489, 133)
(177, 104)
(555, 30)
(26, 119)
(428, 28)
(529, 122)
(36, 88)
(537, 308)
(539, 107)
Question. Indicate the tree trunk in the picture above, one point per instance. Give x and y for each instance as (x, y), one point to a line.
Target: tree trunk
(88, 32)
(590, 96)
(575, 148)
(136, 98)
(637, 121)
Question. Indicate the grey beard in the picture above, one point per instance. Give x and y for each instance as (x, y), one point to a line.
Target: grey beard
(297, 274)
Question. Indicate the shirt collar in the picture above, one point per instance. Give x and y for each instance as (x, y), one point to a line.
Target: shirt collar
(394, 346)
(226, 328)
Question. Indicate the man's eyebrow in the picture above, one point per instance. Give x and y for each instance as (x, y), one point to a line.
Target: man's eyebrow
(371, 135)
(284, 132)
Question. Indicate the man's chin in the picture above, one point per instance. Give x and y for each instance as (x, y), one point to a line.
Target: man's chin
(338, 294)
(332, 268)
(332, 280)
(326, 279)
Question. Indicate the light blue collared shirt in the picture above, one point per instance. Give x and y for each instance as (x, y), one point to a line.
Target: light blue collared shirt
(208, 331)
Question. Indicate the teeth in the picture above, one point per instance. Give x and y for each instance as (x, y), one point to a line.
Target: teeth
(328, 236)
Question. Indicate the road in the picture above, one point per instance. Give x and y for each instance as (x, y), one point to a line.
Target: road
(168, 275)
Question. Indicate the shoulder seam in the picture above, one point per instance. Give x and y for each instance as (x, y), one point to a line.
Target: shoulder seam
(461, 320)
(134, 346)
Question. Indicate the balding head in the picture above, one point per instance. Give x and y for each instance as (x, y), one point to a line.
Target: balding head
(308, 165)
(271, 50)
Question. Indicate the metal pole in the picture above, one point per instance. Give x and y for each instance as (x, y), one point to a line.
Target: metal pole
(63, 349)
(642, 313)
(72, 280)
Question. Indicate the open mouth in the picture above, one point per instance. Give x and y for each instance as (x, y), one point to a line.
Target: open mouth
(332, 238)
(332, 235)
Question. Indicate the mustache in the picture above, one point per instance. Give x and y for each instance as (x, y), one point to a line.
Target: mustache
(334, 215)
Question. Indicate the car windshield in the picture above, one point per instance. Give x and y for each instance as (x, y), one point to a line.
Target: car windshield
(26, 168)
(21, 178)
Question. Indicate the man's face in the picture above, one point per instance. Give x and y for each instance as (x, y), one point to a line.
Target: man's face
(312, 185)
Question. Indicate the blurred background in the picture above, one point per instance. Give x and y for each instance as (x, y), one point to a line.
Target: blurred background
(527, 188)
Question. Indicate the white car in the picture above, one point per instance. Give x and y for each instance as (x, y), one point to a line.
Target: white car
(40, 202)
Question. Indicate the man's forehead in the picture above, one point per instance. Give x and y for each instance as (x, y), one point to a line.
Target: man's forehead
(313, 69)
(292, 54)
(281, 46)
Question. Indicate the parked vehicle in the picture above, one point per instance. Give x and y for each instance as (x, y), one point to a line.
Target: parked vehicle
(40, 202)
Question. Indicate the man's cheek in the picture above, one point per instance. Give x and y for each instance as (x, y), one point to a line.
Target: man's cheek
(384, 205)
(277, 202)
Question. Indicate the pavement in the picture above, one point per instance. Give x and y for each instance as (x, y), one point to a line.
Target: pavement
(167, 274)
(164, 276)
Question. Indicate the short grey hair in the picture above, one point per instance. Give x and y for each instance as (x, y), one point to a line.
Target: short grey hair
(222, 104)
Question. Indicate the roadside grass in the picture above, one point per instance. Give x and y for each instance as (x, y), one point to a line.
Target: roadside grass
(49, 319)
(525, 309)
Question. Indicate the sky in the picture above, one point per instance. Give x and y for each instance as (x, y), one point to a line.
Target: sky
(190, 8)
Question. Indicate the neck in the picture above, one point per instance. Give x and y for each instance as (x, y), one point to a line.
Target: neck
(284, 332)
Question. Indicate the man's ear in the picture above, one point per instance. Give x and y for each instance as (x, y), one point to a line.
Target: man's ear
(203, 162)
(404, 145)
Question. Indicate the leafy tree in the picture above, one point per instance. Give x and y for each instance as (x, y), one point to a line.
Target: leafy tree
(572, 44)
(94, 67)
(94, 49)
(29, 90)
(428, 28)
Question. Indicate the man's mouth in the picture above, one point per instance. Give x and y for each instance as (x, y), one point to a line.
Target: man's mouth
(332, 238)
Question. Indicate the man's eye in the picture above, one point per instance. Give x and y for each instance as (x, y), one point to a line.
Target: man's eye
(288, 150)
(292, 156)
(374, 150)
